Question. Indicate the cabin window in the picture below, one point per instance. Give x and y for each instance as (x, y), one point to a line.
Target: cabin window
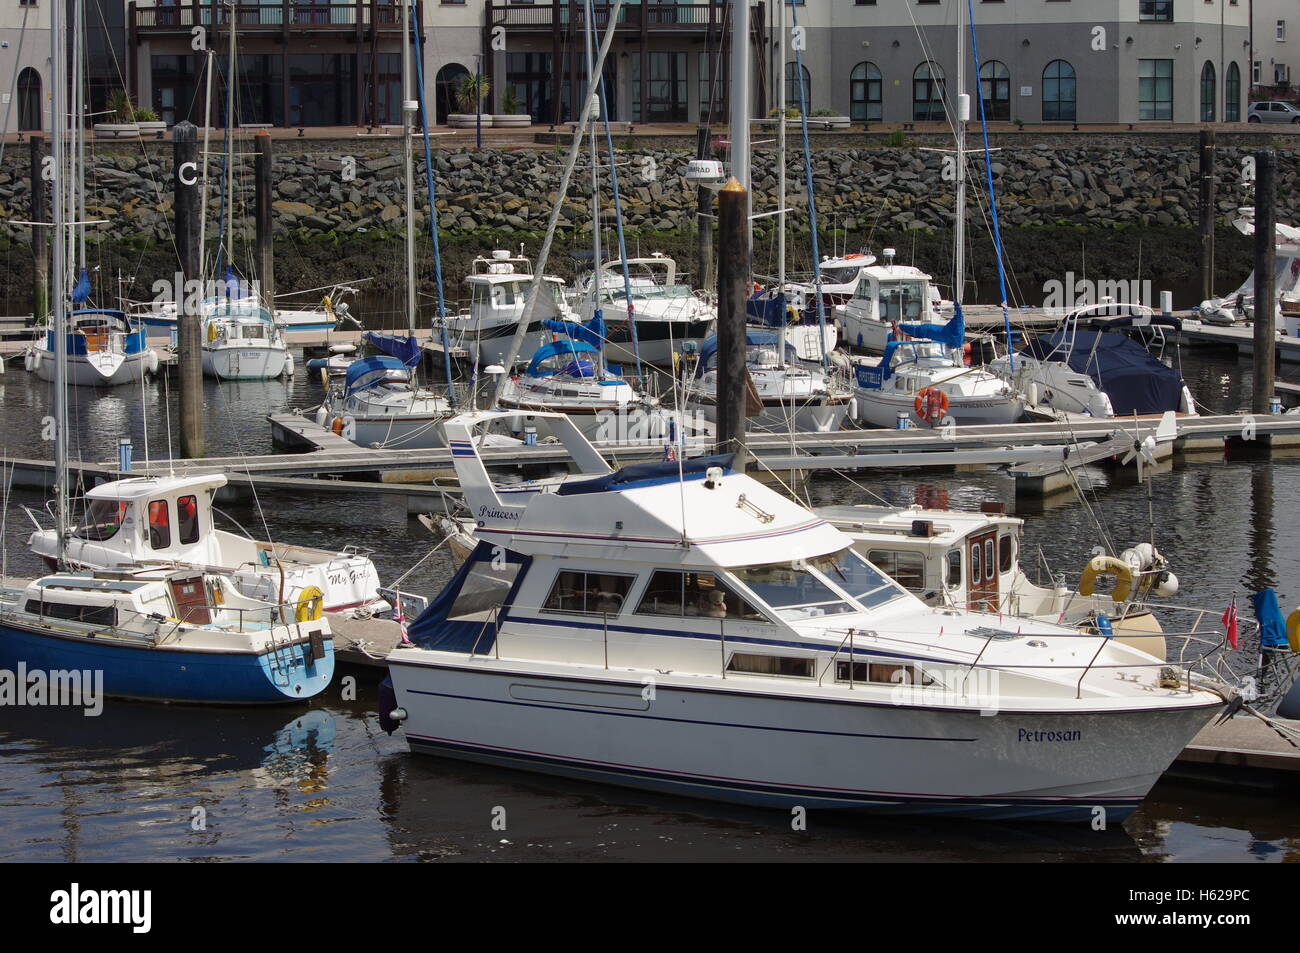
(888, 673)
(752, 664)
(976, 569)
(863, 581)
(952, 569)
(103, 520)
(485, 589)
(590, 593)
(1005, 553)
(90, 615)
(254, 331)
(187, 519)
(989, 571)
(907, 569)
(160, 525)
(674, 593)
(793, 591)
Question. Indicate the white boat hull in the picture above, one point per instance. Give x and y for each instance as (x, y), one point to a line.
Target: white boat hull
(809, 415)
(737, 740)
(242, 363)
(98, 369)
(877, 409)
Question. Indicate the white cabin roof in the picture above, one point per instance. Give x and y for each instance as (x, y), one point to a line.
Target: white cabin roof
(140, 488)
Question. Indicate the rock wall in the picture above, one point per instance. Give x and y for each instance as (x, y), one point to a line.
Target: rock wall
(340, 189)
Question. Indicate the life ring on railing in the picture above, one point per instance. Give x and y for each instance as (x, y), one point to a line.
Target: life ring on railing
(1293, 630)
(337, 425)
(311, 602)
(1107, 565)
(931, 404)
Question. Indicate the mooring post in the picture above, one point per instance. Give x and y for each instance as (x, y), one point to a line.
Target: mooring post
(733, 285)
(703, 218)
(189, 317)
(40, 234)
(1265, 290)
(265, 248)
(1207, 216)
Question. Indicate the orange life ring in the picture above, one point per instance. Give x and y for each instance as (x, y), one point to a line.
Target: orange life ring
(336, 425)
(931, 404)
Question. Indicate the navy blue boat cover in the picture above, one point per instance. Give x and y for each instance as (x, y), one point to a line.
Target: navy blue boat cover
(434, 630)
(645, 474)
(767, 309)
(401, 346)
(1124, 370)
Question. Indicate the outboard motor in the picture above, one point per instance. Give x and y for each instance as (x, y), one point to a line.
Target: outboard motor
(390, 716)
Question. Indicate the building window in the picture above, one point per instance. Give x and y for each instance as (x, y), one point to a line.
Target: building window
(792, 90)
(29, 100)
(1232, 94)
(528, 75)
(866, 90)
(1060, 92)
(1160, 10)
(927, 92)
(1208, 92)
(1155, 89)
(995, 90)
(1281, 31)
(666, 83)
(1256, 70)
(713, 93)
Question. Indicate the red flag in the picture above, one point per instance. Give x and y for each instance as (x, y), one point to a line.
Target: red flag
(400, 618)
(1230, 622)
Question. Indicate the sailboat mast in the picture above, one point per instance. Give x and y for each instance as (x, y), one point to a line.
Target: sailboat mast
(79, 141)
(408, 158)
(230, 144)
(780, 153)
(596, 274)
(740, 94)
(58, 124)
(203, 200)
(963, 114)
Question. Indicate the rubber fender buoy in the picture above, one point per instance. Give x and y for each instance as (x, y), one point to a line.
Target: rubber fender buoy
(311, 603)
(1107, 565)
(1293, 630)
(336, 425)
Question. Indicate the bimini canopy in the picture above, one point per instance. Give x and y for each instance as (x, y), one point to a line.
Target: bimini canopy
(649, 474)
(465, 615)
(370, 371)
(1124, 370)
(401, 346)
(571, 349)
(767, 309)
(753, 338)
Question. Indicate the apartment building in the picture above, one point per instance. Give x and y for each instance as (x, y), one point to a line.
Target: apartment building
(25, 64)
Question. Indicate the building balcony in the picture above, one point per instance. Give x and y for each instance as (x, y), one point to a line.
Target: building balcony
(633, 17)
(282, 18)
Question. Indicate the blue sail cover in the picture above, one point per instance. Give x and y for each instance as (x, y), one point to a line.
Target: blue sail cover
(401, 346)
(232, 287)
(952, 334)
(81, 291)
(579, 367)
(433, 629)
(753, 338)
(1272, 627)
(648, 474)
(767, 309)
(1124, 370)
(873, 378)
(367, 366)
(593, 332)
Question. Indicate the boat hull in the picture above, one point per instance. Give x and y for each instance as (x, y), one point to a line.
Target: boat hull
(755, 747)
(172, 674)
(809, 415)
(881, 410)
(244, 363)
(96, 370)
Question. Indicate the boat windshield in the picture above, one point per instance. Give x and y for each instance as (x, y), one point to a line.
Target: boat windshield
(840, 276)
(103, 520)
(800, 590)
(902, 300)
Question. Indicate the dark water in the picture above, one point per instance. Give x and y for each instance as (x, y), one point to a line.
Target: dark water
(324, 783)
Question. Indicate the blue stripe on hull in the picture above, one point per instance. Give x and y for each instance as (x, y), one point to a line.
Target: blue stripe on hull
(172, 675)
(760, 795)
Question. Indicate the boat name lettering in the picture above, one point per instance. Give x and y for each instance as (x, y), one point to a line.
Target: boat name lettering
(487, 512)
(1030, 734)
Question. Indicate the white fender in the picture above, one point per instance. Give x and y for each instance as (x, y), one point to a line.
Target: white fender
(288, 364)
(32, 359)
(151, 361)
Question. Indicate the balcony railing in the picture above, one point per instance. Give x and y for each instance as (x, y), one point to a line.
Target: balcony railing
(657, 16)
(253, 16)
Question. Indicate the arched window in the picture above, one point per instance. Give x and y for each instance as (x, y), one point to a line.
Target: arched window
(447, 91)
(792, 88)
(995, 90)
(1059, 93)
(866, 89)
(1232, 95)
(1207, 92)
(927, 92)
(29, 100)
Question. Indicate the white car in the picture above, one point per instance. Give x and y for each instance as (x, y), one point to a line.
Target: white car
(1272, 112)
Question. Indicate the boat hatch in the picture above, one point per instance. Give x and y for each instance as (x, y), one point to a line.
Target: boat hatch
(190, 596)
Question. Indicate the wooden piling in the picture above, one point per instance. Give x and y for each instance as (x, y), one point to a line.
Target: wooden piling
(1265, 289)
(733, 287)
(189, 317)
